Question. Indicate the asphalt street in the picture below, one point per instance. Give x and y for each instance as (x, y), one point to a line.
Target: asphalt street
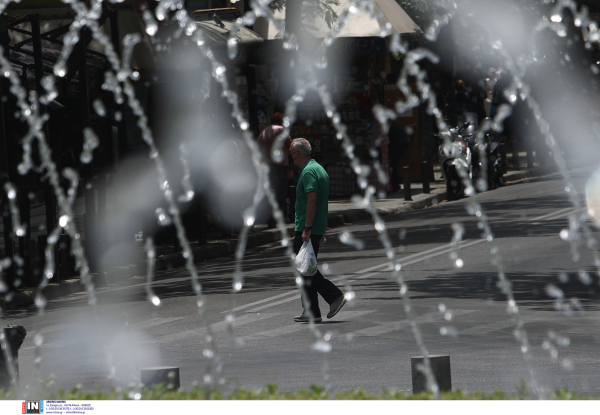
(460, 312)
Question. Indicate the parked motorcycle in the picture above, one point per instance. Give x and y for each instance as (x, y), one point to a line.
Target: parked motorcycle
(466, 151)
(454, 154)
(494, 147)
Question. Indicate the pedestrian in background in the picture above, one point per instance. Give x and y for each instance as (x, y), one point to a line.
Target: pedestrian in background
(278, 171)
(312, 197)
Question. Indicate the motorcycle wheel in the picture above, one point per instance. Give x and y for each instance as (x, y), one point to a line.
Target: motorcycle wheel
(454, 185)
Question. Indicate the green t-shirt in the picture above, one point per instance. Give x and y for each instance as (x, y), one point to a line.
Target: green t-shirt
(313, 178)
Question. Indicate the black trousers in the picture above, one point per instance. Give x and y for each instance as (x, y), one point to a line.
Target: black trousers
(279, 185)
(317, 284)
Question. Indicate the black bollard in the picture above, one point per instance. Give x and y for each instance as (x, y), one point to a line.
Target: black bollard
(529, 158)
(425, 177)
(63, 257)
(440, 366)
(14, 336)
(406, 177)
(515, 157)
(202, 225)
(168, 376)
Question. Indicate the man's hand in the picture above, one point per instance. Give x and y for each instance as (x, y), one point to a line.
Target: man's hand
(306, 235)
(323, 239)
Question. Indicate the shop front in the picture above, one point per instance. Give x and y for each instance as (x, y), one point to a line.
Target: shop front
(360, 74)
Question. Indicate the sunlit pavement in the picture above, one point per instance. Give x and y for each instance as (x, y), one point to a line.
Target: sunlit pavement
(124, 262)
(371, 340)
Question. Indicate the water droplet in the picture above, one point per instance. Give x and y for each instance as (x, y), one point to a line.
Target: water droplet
(458, 263)
(322, 346)
(10, 191)
(563, 277)
(99, 107)
(40, 300)
(448, 331)
(63, 220)
(118, 116)
(403, 289)
(155, 300)
(91, 141)
(556, 18)
(584, 277)
(60, 70)
(291, 43)
(567, 364)
(38, 339)
(553, 291)
(218, 72)
(232, 48)
(163, 217)
(249, 220)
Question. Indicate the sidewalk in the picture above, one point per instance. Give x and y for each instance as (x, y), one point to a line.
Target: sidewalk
(341, 212)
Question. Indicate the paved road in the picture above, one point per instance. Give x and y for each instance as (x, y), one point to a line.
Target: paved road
(371, 340)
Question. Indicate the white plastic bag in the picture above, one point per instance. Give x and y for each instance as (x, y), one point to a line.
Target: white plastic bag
(306, 260)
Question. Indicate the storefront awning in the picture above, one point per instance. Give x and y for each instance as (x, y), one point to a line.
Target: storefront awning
(360, 25)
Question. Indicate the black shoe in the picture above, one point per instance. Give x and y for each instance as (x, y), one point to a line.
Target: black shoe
(336, 306)
(303, 318)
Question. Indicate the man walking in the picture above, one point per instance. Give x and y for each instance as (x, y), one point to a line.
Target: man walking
(312, 194)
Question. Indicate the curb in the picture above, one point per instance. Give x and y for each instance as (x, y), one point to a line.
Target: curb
(212, 250)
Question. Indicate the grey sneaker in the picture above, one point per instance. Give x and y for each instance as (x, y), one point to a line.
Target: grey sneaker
(303, 318)
(336, 306)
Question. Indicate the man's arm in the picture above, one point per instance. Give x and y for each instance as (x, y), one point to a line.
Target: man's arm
(311, 211)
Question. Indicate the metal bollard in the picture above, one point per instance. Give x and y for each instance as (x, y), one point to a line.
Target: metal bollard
(406, 177)
(440, 366)
(425, 177)
(168, 376)
(515, 157)
(202, 225)
(14, 336)
(529, 158)
(63, 257)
